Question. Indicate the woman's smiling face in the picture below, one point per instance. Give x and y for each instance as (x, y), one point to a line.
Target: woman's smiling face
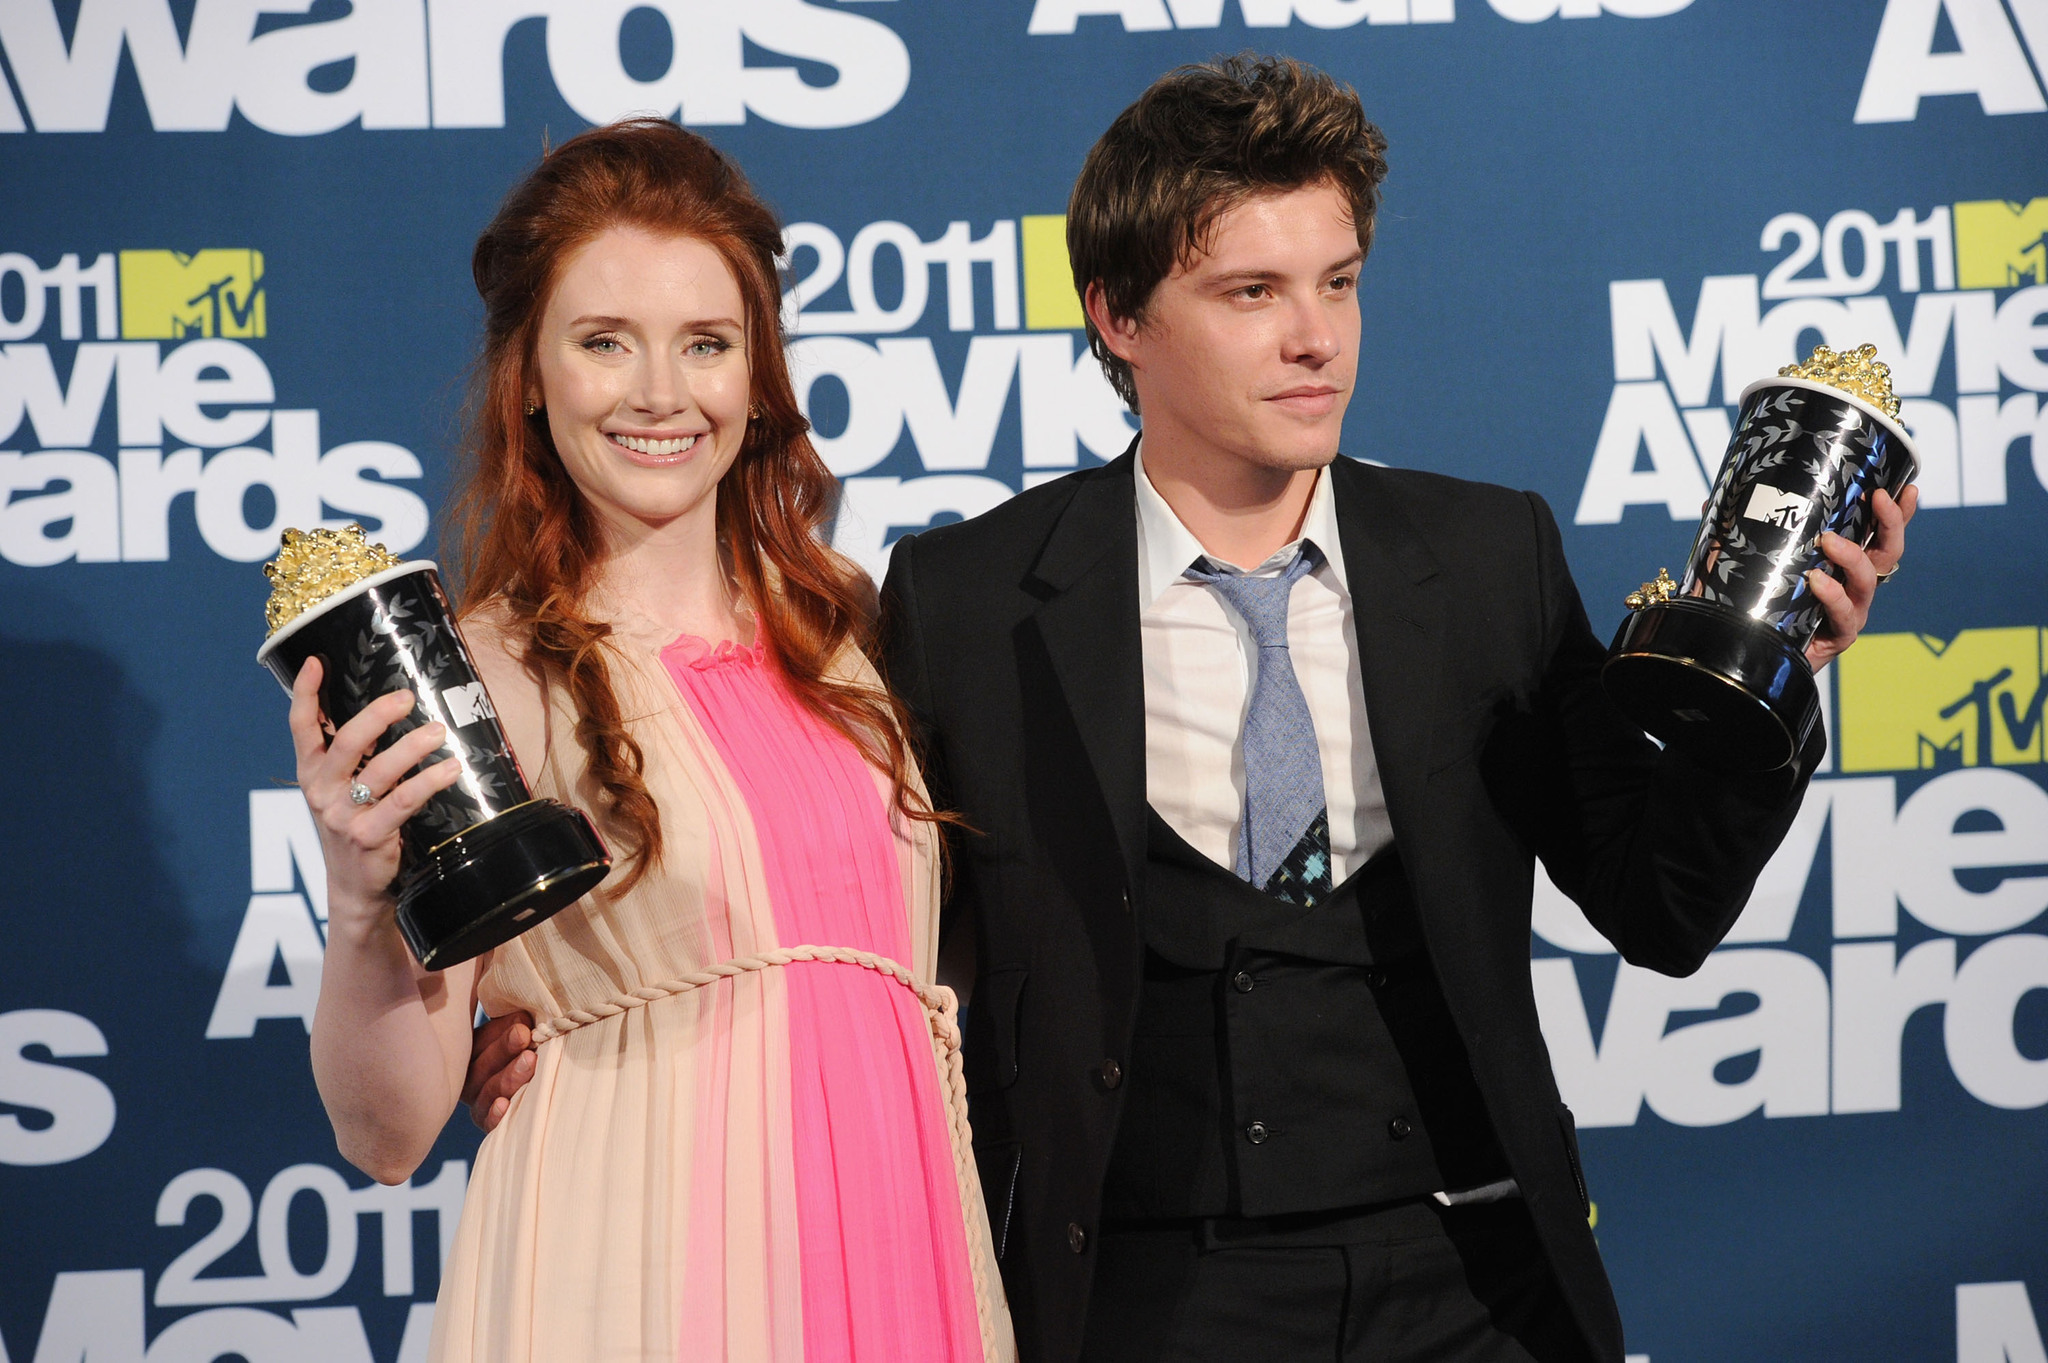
(642, 363)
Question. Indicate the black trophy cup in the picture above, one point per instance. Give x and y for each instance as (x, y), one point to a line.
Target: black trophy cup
(1716, 665)
(484, 860)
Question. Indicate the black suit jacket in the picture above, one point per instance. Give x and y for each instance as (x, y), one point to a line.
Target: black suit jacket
(1014, 640)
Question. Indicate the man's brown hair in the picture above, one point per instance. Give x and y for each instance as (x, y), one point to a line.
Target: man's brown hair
(1200, 141)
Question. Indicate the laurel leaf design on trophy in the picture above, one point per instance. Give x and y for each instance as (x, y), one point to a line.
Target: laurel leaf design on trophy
(426, 635)
(385, 617)
(1802, 613)
(1735, 546)
(1779, 435)
(359, 676)
(1739, 542)
(432, 662)
(439, 815)
(396, 676)
(1820, 463)
(1784, 402)
(1831, 494)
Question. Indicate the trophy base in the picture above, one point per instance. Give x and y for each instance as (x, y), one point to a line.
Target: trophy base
(493, 881)
(1729, 692)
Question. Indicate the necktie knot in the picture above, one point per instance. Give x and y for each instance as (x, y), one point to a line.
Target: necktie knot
(1261, 601)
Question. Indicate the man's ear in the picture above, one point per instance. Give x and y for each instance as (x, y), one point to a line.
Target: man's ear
(1120, 334)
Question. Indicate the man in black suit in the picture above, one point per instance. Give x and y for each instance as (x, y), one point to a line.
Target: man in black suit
(1257, 746)
(1252, 1050)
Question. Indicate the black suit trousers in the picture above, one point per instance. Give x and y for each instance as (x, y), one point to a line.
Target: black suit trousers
(1415, 1282)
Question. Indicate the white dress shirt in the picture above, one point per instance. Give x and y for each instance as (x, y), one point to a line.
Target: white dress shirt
(1199, 655)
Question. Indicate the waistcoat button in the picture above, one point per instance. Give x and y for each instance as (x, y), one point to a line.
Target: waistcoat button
(1256, 1133)
(1399, 1128)
(1111, 1073)
(1077, 1239)
(1242, 982)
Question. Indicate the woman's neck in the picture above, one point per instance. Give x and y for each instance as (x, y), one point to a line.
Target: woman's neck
(672, 575)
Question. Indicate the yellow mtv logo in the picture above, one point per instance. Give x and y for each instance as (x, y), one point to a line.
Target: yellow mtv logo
(1999, 244)
(1909, 702)
(172, 296)
(1050, 303)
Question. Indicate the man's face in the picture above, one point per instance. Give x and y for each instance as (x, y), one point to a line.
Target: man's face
(1249, 352)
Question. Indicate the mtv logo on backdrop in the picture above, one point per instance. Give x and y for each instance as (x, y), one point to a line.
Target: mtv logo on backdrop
(171, 361)
(1912, 702)
(2001, 245)
(172, 296)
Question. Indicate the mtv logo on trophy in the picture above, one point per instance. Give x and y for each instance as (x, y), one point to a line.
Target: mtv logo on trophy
(1715, 665)
(484, 860)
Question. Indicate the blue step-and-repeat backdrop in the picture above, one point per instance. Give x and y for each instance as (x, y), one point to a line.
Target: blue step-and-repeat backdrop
(234, 296)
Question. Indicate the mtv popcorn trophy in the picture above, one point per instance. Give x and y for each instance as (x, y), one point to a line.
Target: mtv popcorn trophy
(484, 860)
(1716, 665)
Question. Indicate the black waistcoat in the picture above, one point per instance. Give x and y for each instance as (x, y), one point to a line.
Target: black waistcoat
(1288, 1060)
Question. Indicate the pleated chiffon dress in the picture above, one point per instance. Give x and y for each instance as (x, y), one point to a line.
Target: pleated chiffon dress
(733, 1147)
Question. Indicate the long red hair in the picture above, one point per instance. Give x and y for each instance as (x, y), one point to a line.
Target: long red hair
(526, 540)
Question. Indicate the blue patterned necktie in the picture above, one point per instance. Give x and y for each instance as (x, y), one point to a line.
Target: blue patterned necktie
(1284, 847)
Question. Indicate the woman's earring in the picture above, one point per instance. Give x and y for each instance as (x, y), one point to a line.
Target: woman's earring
(531, 406)
(753, 411)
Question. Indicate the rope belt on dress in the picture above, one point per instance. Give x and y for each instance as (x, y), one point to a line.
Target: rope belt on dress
(942, 1010)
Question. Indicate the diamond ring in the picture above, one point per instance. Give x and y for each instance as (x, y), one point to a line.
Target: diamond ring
(360, 794)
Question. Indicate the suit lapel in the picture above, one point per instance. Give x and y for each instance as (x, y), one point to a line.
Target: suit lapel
(1088, 573)
(1400, 620)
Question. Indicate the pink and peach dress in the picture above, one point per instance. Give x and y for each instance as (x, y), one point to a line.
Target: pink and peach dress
(746, 1136)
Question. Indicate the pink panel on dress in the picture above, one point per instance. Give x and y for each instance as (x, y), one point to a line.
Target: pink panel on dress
(884, 1246)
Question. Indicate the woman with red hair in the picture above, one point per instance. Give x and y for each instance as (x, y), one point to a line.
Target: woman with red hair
(744, 1133)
